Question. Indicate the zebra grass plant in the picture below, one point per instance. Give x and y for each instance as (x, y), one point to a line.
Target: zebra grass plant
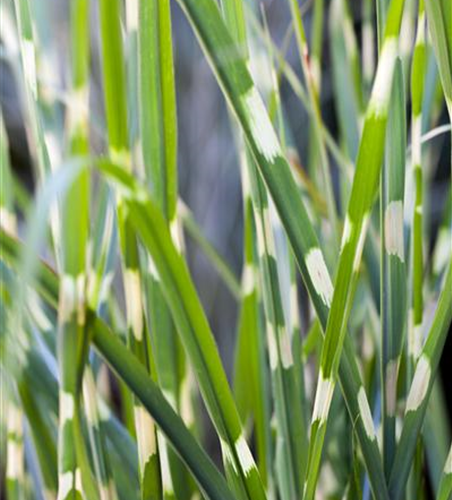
(99, 304)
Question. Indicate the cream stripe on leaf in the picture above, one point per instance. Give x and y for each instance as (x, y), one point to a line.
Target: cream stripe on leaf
(379, 102)
(392, 368)
(261, 128)
(323, 397)
(167, 481)
(134, 307)
(419, 385)
(365, 414)
(15, 456)
(393, 228)
(319, 275)
(244, 454)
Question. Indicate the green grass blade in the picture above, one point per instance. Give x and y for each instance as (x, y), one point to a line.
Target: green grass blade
(209, 478)
(37, 379)
(250, 373)
(421, 387)
(315, 58)
(251, 386)
(445, 485)
(114, 79)
(237, 85)
(436, 433)
(102, 465)
(103, 244)
(36, 137)
(288, 408)
(442, 245)
(199, 344)
(368, 44)
(290, 429)
(343, 55)
(42, 436)
(240, 91)
(109, 352)
(415, 340)
(439, 14)
(316, 44)
(313, 88)
(28, 58)
(158, 104)
(158, 137)
(191, 323)
(364, 188)
(134, 374)
(417, 94)
(393, 290)
(298, 89)
(72, 452)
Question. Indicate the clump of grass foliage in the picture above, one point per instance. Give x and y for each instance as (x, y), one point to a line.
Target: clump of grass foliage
(342, 402)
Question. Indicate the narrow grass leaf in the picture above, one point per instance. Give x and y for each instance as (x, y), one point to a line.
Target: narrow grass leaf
(134, 374)
(439, 14)
(445, 485)
(421, 386)
(158, 139)
(237, 85)
(393, 290)
(364, 188)
(114, 79)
